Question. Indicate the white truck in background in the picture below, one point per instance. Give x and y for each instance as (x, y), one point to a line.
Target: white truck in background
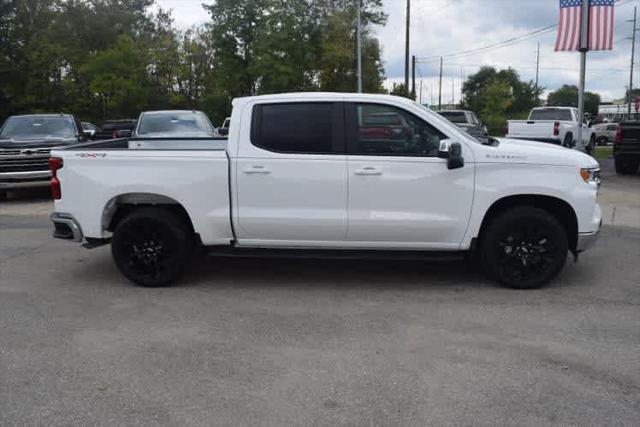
(556, 125)
(329, 174)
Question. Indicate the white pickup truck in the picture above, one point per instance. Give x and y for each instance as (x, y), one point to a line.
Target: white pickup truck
(330, 174)
(557, 125)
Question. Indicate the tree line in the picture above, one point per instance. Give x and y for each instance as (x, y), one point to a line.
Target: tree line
(110, 59)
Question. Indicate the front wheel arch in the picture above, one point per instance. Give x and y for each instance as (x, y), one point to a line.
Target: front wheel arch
(557, 207)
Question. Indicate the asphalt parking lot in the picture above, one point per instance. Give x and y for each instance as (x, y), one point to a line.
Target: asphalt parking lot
(282, 342)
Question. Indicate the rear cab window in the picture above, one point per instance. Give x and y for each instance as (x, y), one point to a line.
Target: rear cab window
(561, 114)
(298, 127)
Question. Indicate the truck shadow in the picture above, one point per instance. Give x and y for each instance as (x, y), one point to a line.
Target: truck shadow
(280, 272)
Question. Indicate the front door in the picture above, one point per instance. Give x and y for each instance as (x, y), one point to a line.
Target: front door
(400, 193)
(291, 177)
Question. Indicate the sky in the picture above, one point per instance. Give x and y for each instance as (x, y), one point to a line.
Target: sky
(445, 27)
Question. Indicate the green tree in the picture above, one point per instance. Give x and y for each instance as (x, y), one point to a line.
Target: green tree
(567, 96)
(118, 77)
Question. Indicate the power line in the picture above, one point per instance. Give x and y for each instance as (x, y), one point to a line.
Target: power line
(513, 40)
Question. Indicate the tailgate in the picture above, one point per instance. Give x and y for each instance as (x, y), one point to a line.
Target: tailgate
(531, 128)
(631, 133)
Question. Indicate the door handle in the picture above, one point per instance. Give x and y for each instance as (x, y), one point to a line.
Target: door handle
(368, 170)
(256, 170)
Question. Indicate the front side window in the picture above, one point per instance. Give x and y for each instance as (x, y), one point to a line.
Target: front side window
(304, 127)
(391, 131)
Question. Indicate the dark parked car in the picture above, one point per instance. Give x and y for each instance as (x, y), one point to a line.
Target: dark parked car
(25, 143)
(466, 120)
(626, 149)
(112, 129)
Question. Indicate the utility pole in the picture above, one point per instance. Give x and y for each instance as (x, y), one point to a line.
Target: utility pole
(359, 37)
(461, 85)
(440, 88)
(413, 76)
(420, 97)
(406, 50)
(453, 94)
(537, 66)
(633, 50)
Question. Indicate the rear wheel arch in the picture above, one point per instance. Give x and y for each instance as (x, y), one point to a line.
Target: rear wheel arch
(119, 207)
(558, 208)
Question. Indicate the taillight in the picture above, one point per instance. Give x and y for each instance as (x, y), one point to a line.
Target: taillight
(55, 163)
(114, 134)
(619, 134)
(556, 128)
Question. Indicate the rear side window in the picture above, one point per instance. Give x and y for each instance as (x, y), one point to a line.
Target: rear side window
(294, 127)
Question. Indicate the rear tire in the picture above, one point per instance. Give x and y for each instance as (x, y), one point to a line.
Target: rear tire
(567, 141)
(625, 166)
(524, 247)
(152, 246)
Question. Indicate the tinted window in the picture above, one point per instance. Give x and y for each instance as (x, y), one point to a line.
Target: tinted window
(294, 128)
(454, 116)
(400, 133)
(119, 125)
(25, 127)
(551, 114)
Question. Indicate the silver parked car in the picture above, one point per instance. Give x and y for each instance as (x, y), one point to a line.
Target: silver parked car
(605, 133)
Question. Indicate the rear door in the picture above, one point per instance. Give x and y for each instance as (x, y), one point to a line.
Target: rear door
(401, 195)
(291, 179)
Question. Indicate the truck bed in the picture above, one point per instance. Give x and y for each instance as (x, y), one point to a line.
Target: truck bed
(96, 176)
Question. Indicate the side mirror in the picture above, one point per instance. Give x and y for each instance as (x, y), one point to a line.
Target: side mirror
(124, 133)
(452, 151)
(87, 134)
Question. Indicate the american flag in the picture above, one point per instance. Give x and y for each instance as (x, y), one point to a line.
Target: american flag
(600, 25)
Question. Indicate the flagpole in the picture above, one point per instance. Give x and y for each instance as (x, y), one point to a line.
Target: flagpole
(584, 47)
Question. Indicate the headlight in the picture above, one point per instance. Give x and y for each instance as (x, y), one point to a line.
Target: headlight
(590, 175)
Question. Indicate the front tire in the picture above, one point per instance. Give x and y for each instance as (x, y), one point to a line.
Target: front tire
(152, 246)
(603, 140)
(524, 247)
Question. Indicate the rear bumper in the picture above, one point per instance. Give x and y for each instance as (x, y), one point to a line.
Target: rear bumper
(17, 180)
(66, 227)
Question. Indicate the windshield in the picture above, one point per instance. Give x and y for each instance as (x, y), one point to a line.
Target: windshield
(551, 114)
(454, 116)
(31, 127)
(176, 124)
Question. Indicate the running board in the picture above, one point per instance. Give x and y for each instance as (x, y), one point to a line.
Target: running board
(228, 251)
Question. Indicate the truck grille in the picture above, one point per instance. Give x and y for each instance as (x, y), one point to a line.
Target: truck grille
(24, 160)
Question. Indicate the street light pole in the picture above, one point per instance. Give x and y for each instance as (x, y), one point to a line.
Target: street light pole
(406, 51)
(359, 36)
(633, 50)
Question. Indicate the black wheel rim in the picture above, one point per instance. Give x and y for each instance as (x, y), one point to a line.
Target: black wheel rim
(148, 249)
(527, 252)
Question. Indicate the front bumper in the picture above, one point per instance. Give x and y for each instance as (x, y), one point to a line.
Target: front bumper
(66, 227)
(587, 240)
(30, 179)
